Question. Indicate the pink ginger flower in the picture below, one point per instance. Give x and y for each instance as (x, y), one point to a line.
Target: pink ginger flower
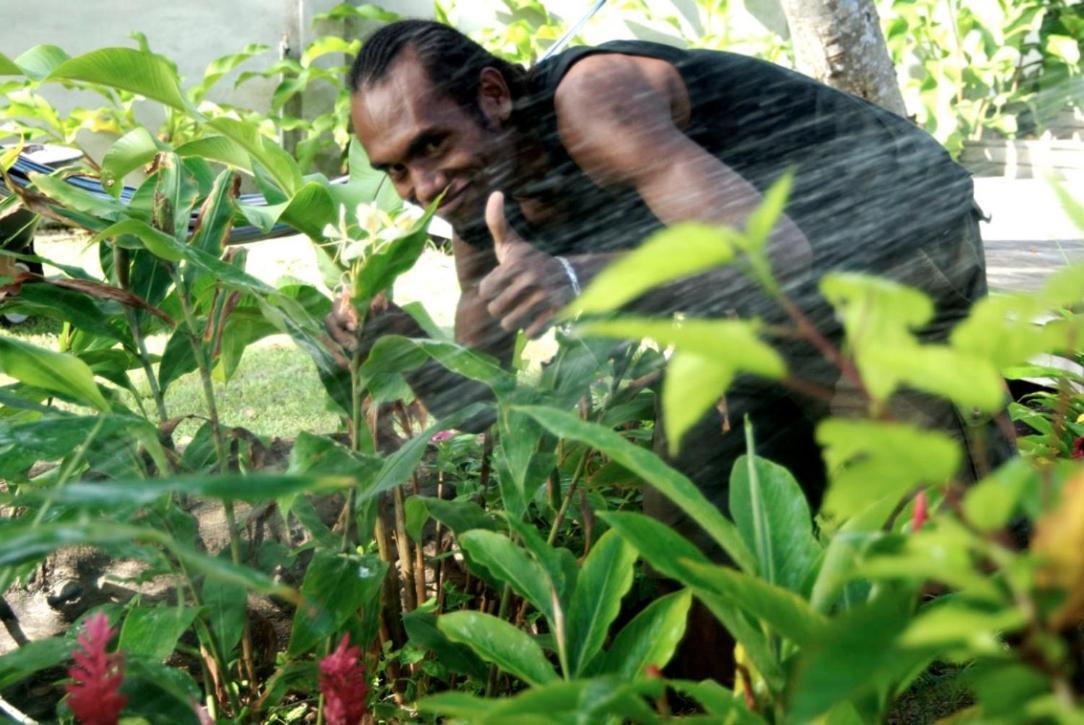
(342, 682)
(94, 695)
(921, 512)
(442, 436)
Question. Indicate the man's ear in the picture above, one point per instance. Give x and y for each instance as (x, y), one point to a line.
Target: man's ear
(494, 98)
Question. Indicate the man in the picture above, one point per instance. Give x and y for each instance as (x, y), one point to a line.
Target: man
(547, 176)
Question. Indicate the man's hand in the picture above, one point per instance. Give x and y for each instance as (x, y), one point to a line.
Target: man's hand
(384, 318)
(527, 287)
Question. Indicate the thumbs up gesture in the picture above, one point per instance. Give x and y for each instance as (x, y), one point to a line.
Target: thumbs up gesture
(527, 287)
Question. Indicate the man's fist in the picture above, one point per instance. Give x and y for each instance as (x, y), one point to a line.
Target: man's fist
(384, 318)
(527, 287)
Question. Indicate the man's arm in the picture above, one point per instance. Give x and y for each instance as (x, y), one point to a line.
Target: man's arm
(619, 118)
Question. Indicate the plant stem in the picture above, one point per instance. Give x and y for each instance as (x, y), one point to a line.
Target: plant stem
(502, 613)
(567, 499)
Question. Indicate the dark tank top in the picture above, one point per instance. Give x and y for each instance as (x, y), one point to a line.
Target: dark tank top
(869, 185)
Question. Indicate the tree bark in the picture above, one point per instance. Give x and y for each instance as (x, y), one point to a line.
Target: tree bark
(840, 43)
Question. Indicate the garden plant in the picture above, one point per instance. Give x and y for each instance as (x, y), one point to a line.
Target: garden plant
(396, 569)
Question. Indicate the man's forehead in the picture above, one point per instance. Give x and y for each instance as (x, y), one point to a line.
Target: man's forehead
(391, 112)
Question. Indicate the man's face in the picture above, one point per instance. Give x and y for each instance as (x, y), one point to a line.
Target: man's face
(427, 143)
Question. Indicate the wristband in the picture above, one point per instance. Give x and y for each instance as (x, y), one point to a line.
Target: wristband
(570, 272)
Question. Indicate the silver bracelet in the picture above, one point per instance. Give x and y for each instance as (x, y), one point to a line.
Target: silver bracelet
(570, 272)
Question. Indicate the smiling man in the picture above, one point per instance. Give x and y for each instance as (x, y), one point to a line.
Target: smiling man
(547, 175)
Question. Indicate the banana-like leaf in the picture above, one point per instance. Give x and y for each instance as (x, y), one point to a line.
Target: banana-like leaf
(56, 372)
(128, 69)
(131, 151)
(39, 61)
(497, 641)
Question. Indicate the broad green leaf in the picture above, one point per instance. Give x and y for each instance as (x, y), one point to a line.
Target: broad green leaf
(558, 562)
(27, 543)
(1003, 330)
(666, 256)
(671, 555)
(845, 549)
(220, 149)
(602, 699)
(651, 638)
(237, 487)
(511, 565)
(718, 701)
(175, 193)
(382, 267)
(497, 641)
(782, 610)
(772, 515)
(336, 586)
(693, 385)
(226, 610)
(875, 310)
(393, 353)
(39, 61)
(731, 342)
(128, 69)
(25, 442)
(131, 151)
(967, 380)
(459, 705)
(71, 197)
(156, 691)
(653, 470)
(310, 209)
(153, 632)
(758, 228)
(847, 656)
(421, 627)
(315, 454)
(8, 67)
(328, 44)
(56, 372)
(868, 460)
(459, 516)
(33, 657)
(604, 580)
(953, 624)
(82, 309)
(223, 65)
(365, 11)
(157, 242)
(178, 357)
(282, 167)
(990, 504)
(216, 216)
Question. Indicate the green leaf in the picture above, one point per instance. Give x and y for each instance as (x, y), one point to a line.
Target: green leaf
(220, 149)
(718, 701)
(310, 209)
(158, 692)
(336, 586)
(131, 151)
(421, 627)
(460, 705)
(758, 228)
(651, 638)
(328, 44)
(497, 641)
(671, 254)
(39, 61)
(671, 555)
(74, 198)
(226, 609)
(255, 487)
(315, 454)
(153, 632)
(868, 460)
(782, 610)
(875, 310)
(953, 624)
(282, 167)
(392, 259)
(131, 70)
(772, 515)
(847, 656)
(8, 67)
(990, 504)
(56, 372)
(157, 242)
(33, 657)
(178, 358)
(604, 580)
(458, 516)
(709, 353)
(23, 443)
(653, 470)
(693, 385)
(511, 565)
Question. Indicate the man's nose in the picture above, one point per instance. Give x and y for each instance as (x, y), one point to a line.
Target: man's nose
(428, 183)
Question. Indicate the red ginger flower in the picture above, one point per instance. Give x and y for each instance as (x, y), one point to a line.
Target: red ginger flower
(921, 512)
(1078, 446)
(94, 696)
(342, 682)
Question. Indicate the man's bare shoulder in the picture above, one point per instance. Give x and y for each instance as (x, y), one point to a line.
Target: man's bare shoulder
(605, 82)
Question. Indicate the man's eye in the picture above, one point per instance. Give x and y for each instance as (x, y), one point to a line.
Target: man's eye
(432, 148)
(395, 173)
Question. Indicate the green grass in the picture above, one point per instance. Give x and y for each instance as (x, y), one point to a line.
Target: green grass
(274, 392)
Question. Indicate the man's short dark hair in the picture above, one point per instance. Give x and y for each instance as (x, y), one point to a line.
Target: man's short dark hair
(452, 61)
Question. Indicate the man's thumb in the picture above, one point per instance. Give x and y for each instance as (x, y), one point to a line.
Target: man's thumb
(498, 225)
